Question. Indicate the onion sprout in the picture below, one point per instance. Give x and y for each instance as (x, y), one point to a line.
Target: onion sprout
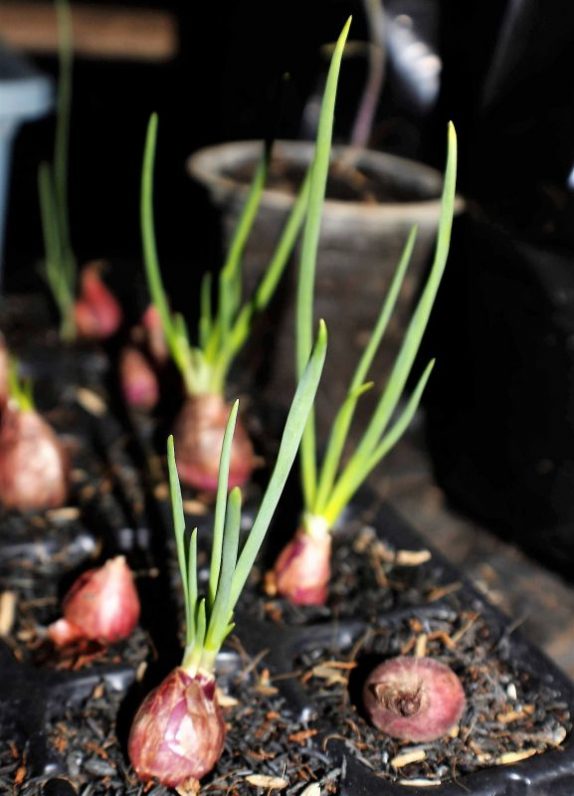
(328, 492)
(209, 619)
(60, 263)
(221, 334)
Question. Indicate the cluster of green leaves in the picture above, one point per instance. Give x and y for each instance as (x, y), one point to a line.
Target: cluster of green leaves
(328, 491)
(60, 262)
(222, 333)
(209, 619)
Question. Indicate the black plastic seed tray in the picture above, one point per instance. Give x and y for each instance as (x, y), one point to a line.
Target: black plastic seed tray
(518, 665)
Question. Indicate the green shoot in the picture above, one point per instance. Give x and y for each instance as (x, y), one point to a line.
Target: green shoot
(221, 335)
(60, 263)
(327, 495)
(309, 246)
(19, 390)
(210, 619)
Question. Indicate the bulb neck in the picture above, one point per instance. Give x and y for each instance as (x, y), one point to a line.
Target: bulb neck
(315, 525)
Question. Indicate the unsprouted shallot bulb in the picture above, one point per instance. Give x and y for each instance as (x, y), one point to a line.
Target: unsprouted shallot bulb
(98, 314)
(102, 605)
(415, 699)
(302, 571)
(34, 465)
(138, 380)
(178, 733)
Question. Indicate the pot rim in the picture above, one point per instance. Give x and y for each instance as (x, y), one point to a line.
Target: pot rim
(207, 166)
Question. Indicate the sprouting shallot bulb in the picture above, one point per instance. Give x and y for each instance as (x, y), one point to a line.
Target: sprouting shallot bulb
(416, 699)
(303, 569)
(198, 432)
(102, 605)
(34, 466)
(178, 732)
(138, 380)
(97, 312)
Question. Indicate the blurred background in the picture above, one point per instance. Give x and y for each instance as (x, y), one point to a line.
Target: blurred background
(499, 438)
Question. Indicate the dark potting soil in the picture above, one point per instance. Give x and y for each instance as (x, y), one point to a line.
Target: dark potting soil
(510, 715)
(345, 183)
(370, 575)
(265, 749)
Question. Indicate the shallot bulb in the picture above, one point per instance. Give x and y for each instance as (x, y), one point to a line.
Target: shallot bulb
(102, 605)
(138, 380)
(416, 699)
(178, 732)
(155, 336)
(303, 569)
(198, 434)
(34, 466)
(97, 312)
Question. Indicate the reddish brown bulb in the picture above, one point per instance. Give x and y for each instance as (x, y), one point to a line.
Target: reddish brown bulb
(154, 335)
(97, 312)
(139, 382)
(303, 569)
(178, 732)
(416, 699)
(34, 466)
(198, 433)
(102, 605)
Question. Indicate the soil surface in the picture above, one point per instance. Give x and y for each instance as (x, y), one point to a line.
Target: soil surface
(509, 714)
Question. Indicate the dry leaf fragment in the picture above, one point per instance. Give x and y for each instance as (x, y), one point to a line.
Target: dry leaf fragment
(421, 646)
(515, 715)
(420, 783)
(91, 401)
(225, 700)
(514, 757)
(194, 507)
(64, 514)
(412, 558)
(7, 611)
(302, 736)
(314, 789)
(414, 756)
(442, 591)
(263, 781)
(330, 674)
(161, 491)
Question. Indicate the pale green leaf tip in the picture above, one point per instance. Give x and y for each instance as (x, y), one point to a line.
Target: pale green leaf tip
(451, 133)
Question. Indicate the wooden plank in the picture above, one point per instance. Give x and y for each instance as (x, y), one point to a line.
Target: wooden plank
(99, 31)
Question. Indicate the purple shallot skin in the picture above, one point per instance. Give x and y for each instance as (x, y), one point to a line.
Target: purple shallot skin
(178, 732)
(302, 571)
(415, 699)
(198, 433)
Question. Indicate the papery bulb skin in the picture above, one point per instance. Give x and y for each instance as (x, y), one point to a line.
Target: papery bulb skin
(138, 380)
(98, 314)
(34, 466)
(155, 337)
(415, 699)
(198, 433)
(178, 732)
(303, 569)
(102, 605)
